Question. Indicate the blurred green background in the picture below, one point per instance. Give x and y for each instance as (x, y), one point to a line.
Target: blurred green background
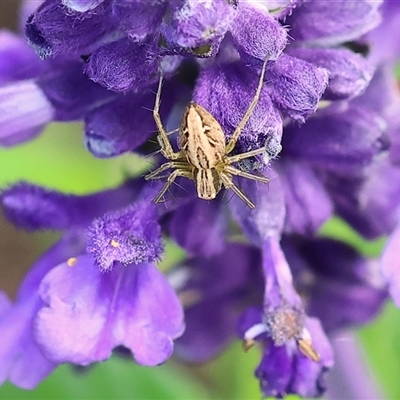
(58, 160)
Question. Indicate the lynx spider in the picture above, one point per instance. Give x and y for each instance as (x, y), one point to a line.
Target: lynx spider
(203, 155)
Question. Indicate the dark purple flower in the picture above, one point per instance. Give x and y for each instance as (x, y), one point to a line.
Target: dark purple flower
(200, 227)
(214, 289)
(342, 287)
(124, 43)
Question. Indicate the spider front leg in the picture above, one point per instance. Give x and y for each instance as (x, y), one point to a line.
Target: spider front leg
(170, 180)
(232, 142)
(173, 164)
(166, 149)
(238, 172)
(235, 171)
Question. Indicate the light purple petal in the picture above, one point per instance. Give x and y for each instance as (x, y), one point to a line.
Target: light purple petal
(88, 313)
(81, 5)
(24, 111)
(390, 265)
(21, 361)
(17, 59)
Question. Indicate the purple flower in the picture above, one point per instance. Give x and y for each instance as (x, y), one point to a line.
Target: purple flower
(123, 44)
(284, 369)
(86, 313)
(126, 300)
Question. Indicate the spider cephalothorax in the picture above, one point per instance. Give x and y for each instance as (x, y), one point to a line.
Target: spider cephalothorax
(203, 154)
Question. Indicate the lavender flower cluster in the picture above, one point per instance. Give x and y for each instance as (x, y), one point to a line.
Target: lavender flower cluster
(328, 119)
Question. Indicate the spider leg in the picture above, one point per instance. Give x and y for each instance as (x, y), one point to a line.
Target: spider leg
(163, 167)
(238, 172)
(232, 142)
(166, 148)
(238, 157)
(171, 132)
(171, 178)
(228, 183)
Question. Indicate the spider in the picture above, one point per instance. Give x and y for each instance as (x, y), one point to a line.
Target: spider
(203, 155)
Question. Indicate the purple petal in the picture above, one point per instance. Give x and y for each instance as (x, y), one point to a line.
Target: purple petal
(343, 290)
(308, 205)
(250, 317)
(33, 207)
(237, 266)
(328, 23)
(215, 290)
(383, 97)
(24, 111)
(226, 91)
(196, 24)
(201, 341)
(138, 19)
(126, 123)
(20, 359)
(280, 297)
(390, 265)
(284, 370)
(267, 219)
(349, 73)
(344, 142)
(130, 235)
(54, 29)
(123, 65)
(199, 227)
(70, 91)
(384, 40)
(81, 5)
(309, 376)
(296, 86)
(17, 60)
(369, 204)
(257, 34)
(88, 313)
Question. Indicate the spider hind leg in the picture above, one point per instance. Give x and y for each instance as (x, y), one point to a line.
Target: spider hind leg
(228, 184)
